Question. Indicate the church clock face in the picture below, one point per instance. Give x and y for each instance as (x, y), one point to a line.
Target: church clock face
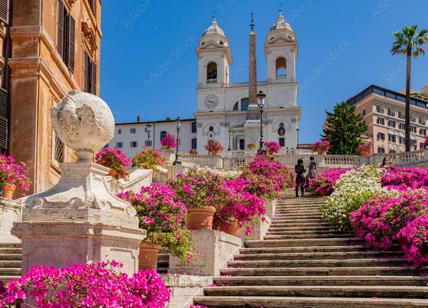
(211, 101)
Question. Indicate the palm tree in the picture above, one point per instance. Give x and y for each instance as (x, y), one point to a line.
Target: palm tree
(409, 42)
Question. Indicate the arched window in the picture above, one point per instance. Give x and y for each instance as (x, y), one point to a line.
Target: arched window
(162, 134)
(241, 105)
(281, 68)
(212, 72)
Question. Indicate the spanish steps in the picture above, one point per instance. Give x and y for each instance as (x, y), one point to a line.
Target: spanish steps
(304, 262)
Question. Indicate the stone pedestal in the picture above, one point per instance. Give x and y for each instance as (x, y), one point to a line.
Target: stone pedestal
(184, 288)
(10, 212)
(215, 248)
(260, 228)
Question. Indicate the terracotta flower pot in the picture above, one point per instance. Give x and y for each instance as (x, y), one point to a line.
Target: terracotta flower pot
(148, 258)
(8, 190)
(322, 192)
(230, 228)
(200, 218)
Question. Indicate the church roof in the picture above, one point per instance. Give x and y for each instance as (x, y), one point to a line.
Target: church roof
(214, 28)
(281, 24)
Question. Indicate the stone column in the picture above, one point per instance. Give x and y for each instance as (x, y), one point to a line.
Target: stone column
(79, 220)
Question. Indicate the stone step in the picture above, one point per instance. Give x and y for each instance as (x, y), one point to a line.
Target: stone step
(301, 249)
(302, 228)
(303, 242)
(10, 264)
(327, 232)
(10, 245)
(316, 255)
(321, 291)
(321, 280)
(297, 216)
(10, 271)
(300, 224)
(367, 262)
(305, 271)
(297, 220)
(10, 251)
(306, 302)
(11, 256)
(304, 236)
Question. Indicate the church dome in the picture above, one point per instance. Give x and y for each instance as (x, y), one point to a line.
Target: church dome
(214, 28)
(281, 24)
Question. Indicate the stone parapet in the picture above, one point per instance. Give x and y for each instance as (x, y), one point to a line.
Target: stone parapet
(215, 249)
(10, 212)
(258, 228)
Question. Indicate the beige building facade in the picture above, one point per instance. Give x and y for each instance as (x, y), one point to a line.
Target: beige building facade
(54, 48)
(383, 113)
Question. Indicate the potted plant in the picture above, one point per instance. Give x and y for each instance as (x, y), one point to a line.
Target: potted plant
(114, 159)
(252, 147)
(168, 142)
(149, 158)
(196, 189)
(272, 147)
(365, 149)
(321, 147)
(236, 207)
(163, 216)
(13, 174)
(214, 147)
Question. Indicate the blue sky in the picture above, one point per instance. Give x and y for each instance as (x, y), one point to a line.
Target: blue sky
(149, 66)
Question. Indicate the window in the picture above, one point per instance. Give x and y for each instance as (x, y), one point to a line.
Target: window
(392, 138)
(133, 130)
(381, 150)
(148, 143)
(242, 144)
(380, 121)
(362, 113)
(236, 106)
(281, 68)
(119, 131)
(422, 121)
(59, 150)
(212, 72)
(119, 144)
(413, 120)
(211, 129)
(413, 129)
(379, 109)
(392, 123)
(422, 131)
(401, 140)
(391, 112)
(194, 144)
(162, 134)
(402, 126)
(380, 136)
(93, 6)
(422, 145)
(282, 141)
(90, 75)
(134, 144)
(66, 35)
(194, 127)
(241, 105)
(401, 115)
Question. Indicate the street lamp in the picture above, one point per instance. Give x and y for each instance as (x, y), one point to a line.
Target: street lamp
(177, 126)
(261, 103)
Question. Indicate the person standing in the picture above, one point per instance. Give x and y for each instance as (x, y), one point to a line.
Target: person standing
(300, 178)
(312, 170)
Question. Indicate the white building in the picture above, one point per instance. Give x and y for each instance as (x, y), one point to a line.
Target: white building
(227, 112)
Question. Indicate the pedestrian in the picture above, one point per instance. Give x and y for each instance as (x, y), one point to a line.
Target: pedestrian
(300, 178)
(312, 170)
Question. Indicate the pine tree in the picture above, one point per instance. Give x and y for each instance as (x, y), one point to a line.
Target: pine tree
(343, 128)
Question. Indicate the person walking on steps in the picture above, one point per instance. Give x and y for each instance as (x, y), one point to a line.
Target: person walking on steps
(300, 178)
(311, 171)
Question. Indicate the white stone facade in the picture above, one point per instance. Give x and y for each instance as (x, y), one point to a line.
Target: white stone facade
(222, 106)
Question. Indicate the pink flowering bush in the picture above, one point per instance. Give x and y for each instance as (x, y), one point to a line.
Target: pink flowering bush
(321, 146)
(264, 166)
(162, 215)
(272, 147)
(87, 285)
(197, 187)
(379, 220)
(149, 158)
(404, 178)
(237, 206)
(323, 183)
(259, 185)
(365, 149)
(14, 173)
(414, 240)
(214, 147)
(116, 160)
(169, 141)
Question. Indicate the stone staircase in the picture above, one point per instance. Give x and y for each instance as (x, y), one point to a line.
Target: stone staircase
(10, 261)
(304, 262)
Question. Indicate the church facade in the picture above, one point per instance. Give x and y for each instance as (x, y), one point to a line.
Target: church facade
(228, 112)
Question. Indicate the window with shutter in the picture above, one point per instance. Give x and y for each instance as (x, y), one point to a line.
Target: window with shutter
(93, 5)
(71, 42)
(60, 28)
(90, 75)
(93, 78)
(4, 10)
(86, 79)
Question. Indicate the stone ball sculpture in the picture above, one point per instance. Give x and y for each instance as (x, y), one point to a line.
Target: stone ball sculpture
(84, 122)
